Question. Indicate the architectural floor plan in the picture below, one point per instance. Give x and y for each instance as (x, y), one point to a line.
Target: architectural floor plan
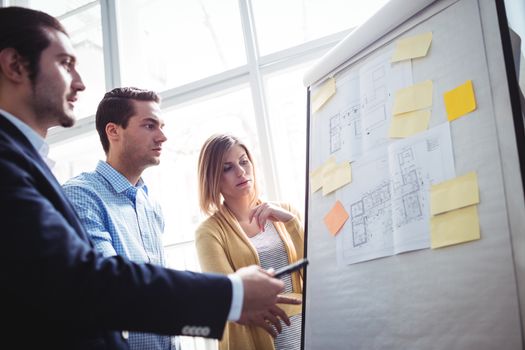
(388, 198)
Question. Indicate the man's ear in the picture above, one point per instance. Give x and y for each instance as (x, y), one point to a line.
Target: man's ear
(112, 131)
(13, 66)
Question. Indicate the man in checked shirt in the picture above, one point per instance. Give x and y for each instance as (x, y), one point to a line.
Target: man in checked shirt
(113, 201)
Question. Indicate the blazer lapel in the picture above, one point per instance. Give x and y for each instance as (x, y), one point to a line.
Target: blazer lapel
(25, 147)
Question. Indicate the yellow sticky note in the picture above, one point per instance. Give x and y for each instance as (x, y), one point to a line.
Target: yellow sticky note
(413, 47)
(329, 165)
(317, 175)
(337, 178)
(325, 92)
(456, 193)
(457, 226)
(336, 218)
(407, 124)
(460, 101)
(316, 179)
(417, 96)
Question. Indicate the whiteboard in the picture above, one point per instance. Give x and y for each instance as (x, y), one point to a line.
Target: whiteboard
(465, 296)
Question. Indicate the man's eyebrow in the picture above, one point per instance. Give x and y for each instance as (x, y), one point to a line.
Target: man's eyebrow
(151, 120)
(67, 55)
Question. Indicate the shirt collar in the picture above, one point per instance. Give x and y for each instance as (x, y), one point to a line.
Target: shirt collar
(118, 181)
(34, 138)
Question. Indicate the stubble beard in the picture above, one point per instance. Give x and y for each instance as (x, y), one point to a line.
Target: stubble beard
(66, 121)
(49, 105)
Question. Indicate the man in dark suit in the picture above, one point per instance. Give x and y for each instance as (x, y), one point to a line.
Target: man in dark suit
(57, 292)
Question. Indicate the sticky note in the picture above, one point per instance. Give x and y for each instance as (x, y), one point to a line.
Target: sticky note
(412, 47)
(456, 193)
(407, 124)
(316, 179)
(321, 96)
(336, 218)
(317, 175)
(336, 177)
(460, 101)
(412, 98)
(457, 226)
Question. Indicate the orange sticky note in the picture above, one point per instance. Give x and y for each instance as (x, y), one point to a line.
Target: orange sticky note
(460, 101)
(336, 218)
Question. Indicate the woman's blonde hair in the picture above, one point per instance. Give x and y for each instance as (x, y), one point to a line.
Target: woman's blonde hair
(210, 169)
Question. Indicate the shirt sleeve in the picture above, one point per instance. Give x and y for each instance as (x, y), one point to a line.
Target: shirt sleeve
(89, 210)
(237, 297)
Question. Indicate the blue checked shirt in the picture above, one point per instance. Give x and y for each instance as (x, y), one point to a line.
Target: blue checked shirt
(121, 220)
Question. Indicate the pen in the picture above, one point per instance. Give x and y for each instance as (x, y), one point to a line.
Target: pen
(291, 268)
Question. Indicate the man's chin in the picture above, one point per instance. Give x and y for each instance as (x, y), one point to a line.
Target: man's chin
(67, 121)
(154, 162)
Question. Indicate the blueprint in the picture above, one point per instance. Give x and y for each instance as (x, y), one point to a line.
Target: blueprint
(378, 81)
(368, 233)
(341, 128)
(388, 199)
(357, 117)
(416, 163)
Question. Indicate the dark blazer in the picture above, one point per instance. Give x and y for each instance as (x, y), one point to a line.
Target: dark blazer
(57, 292)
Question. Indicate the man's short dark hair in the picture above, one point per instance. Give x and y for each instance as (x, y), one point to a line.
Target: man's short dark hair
(117, 107)
(23, 29)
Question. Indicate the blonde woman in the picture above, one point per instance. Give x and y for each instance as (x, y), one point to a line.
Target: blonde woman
(242, 230)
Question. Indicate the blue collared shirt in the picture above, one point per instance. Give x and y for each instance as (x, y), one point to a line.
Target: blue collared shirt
(37, 141)
(121, 220)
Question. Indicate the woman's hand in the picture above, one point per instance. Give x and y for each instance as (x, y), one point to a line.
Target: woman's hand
(269, 320)
(268, 211)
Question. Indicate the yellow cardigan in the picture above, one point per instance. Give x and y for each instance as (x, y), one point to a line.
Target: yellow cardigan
(223, 247)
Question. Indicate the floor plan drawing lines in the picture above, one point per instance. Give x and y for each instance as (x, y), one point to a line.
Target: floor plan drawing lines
(369, 211)
(378, 82)
(415, 163)
(352, 118)
(339, 122)
(406, 185)
(377, 92)
(335, 133)
(359, 231)
(368, 232)
(411, 182)
(345, 129)
(357, 209)
(412, 206)
(375, 118)
(388, 199)
(406, 157)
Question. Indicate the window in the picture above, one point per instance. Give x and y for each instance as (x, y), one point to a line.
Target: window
(283, 24)
(76, 155)
(286, 97)
(82, 20)
(85, 31)
(167, 43)
(55, 8)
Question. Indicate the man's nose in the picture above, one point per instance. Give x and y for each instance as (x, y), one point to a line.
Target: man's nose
(162, 136)
(77, 82)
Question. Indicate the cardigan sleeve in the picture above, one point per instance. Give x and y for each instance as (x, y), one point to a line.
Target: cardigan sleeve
(211, 249)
